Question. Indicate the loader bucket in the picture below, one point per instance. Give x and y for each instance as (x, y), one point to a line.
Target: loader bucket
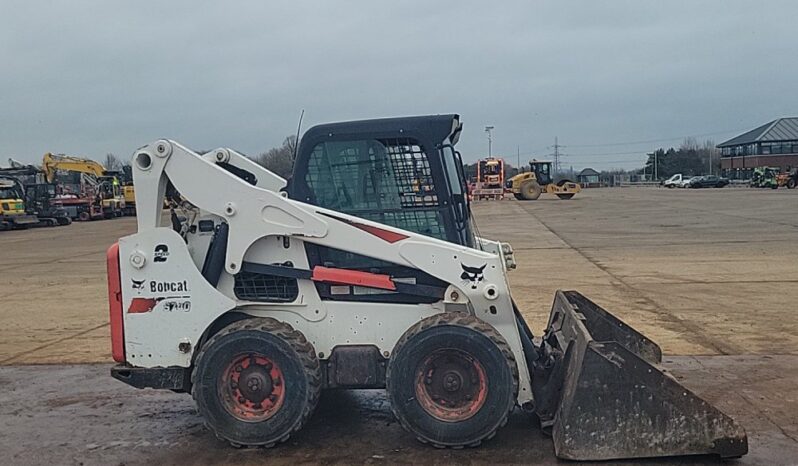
(600, 393)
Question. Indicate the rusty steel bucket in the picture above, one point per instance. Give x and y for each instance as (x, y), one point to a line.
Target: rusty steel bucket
(599, 392)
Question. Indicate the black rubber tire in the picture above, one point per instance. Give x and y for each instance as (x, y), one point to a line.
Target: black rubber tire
(518, 196)
(791, 183)
(565, 196)
(458, 331)
(297, 360)
(530, 190)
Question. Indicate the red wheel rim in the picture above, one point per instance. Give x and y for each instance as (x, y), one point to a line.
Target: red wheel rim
(451, 385)
(252, 387)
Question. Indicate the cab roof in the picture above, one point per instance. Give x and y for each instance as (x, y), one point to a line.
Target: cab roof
(430, 127)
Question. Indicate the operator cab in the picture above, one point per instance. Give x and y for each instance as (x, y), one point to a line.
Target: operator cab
(542, 171)
(402, 172)
(108, 187)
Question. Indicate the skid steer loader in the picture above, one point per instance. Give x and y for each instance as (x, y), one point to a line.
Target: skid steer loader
(364, 271)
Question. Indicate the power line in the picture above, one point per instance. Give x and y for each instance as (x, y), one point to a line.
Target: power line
(558, 155)
(651, 141)
(638, 152)
(610, 153)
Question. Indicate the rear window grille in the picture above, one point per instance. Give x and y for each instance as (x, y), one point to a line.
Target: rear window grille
(252, 286)
(411, 172)
(362, 175)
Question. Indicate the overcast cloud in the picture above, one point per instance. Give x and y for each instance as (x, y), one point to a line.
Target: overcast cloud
(87, 78)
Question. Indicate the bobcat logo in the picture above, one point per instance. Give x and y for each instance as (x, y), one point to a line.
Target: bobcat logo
(473, 275)
(138, 285)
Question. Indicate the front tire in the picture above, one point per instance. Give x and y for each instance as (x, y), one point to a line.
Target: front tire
(530, 190)
(452, 380)
(256, 382)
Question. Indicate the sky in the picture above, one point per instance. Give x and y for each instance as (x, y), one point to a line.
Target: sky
(91, 77)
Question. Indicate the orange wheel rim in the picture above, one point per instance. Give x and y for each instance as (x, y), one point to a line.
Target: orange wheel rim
(451, 385)
(252, 387)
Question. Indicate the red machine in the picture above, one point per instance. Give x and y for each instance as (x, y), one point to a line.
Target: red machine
(490, 179)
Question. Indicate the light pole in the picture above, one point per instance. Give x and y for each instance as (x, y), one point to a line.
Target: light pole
(709, 156)
(489, 129)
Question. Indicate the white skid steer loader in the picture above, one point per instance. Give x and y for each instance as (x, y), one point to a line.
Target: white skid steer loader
(364, 272)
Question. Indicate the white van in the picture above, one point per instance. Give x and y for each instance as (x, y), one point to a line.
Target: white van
(676, 181)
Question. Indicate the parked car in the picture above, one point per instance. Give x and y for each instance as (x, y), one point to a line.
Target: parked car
(677, 181)
(673, 181)
(708, 181)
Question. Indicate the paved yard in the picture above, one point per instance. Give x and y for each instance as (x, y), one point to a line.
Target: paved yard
(710, 275)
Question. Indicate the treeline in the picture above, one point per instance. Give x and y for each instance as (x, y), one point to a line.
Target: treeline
(690, 159)
(279, 160)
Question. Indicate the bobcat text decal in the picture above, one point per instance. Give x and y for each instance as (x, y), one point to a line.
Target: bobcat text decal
(174, 296)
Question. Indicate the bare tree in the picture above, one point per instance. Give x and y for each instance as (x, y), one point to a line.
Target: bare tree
(112, 162)
(280, 160)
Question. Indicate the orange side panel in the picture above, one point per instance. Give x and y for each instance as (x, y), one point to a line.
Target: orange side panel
(115, 304)
(352, 277)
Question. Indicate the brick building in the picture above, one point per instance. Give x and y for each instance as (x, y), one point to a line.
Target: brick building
(774, 144)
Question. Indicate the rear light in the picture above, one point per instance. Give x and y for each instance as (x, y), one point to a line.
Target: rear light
(115, 304)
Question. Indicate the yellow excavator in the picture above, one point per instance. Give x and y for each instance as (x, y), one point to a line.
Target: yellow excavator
(13, 214)
(528, 186)
(86, 180)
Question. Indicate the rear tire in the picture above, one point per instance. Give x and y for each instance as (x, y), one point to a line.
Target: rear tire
(452, 381)
(530, 190)
(256, 382)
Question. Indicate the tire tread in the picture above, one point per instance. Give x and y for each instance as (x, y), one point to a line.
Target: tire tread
(460, 319)
(295, 340)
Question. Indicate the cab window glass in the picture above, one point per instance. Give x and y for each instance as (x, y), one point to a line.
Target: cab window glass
(385, 180)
